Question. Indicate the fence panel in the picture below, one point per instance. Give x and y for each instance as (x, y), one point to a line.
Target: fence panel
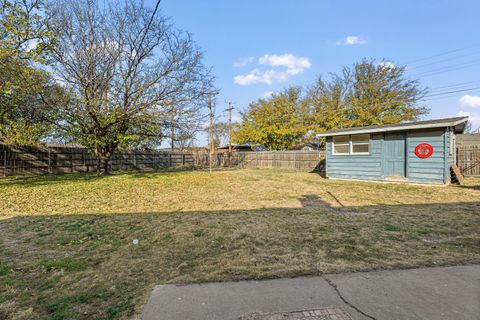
(58, 160)
(301, 160)
(468, 158)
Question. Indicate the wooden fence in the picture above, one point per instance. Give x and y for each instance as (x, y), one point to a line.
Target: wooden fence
(468, 159)
(58, 160)
(301, 160)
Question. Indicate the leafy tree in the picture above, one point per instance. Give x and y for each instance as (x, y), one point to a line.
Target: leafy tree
(26, 92)
(278, 122)
(28, 111)
(128, 67)
(369, 93)
(328, 102)
(382, 94)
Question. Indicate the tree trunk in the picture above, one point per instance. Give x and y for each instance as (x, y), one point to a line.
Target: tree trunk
(103, 169)
(103, 159)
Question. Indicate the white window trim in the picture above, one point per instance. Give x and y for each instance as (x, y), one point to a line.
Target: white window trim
(349, 143)
(350, 148)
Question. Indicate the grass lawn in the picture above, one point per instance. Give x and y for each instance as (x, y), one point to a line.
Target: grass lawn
(66, 247)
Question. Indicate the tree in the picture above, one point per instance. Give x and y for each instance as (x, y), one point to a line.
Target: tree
(382, 94)
(28, 111)
(128, 67)
(278, 122)
(26, 92)
(185, 123)
(220, 133)
(328, 102)
(369, 93)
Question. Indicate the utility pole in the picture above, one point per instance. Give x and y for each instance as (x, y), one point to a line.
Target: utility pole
(230, 108)
(212, 138)
(172, 131)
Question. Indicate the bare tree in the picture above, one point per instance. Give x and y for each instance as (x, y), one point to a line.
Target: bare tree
(128, 68)
(220, 133)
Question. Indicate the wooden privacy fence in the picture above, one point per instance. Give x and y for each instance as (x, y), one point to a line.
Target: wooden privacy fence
(58, 160)
(468, 160)
(302, 160)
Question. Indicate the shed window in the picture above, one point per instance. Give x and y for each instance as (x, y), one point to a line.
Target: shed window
(341, 145)
(355, 144)
(361, 144)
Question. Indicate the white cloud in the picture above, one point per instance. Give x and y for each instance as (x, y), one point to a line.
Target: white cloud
(287, 60)
(470, 101)
(242, 62)
(387, 65)
(257, 76)
(283, 66)
(474, 119)
(352, 40)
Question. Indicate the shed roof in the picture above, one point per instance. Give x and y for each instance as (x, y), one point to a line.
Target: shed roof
(458, 123)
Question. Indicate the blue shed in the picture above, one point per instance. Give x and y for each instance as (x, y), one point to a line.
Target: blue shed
(421, 151)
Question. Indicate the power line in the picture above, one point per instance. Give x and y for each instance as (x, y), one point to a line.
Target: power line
(441, 54)
(447, 69)
(449, 92)
(444, 60)
(451, 86)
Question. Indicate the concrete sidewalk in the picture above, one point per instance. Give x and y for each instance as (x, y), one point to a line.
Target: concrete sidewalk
(430, 293)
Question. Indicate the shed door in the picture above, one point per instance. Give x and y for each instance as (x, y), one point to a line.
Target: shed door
(394, 154)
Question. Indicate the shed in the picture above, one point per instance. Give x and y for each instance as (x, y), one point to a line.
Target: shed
(421, 151)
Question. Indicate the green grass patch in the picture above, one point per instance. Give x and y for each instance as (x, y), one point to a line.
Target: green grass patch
(66, 264)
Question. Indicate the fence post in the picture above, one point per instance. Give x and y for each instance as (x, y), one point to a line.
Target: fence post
(5, 163)
(49, 161)
(84, 161)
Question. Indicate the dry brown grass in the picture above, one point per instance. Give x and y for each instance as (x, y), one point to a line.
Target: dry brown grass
(66, 247)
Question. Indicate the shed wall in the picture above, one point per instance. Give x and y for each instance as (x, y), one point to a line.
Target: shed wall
(432, 169)
(365, 167)
(435, 169)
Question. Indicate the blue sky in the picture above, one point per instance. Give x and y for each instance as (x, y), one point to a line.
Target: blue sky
(263, 46)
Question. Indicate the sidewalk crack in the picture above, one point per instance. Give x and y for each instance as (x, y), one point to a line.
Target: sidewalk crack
(334, 287)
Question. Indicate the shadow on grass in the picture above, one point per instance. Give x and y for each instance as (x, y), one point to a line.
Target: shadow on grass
(87, 266)
(473, 187)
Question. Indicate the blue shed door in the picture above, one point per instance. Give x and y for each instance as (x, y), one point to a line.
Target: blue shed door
(394, 154)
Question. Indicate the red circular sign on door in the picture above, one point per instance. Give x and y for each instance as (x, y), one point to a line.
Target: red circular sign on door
(424, 150)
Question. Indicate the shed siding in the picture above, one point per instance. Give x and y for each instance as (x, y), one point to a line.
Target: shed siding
(435, 169)
(432, 169)
(365, 167)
